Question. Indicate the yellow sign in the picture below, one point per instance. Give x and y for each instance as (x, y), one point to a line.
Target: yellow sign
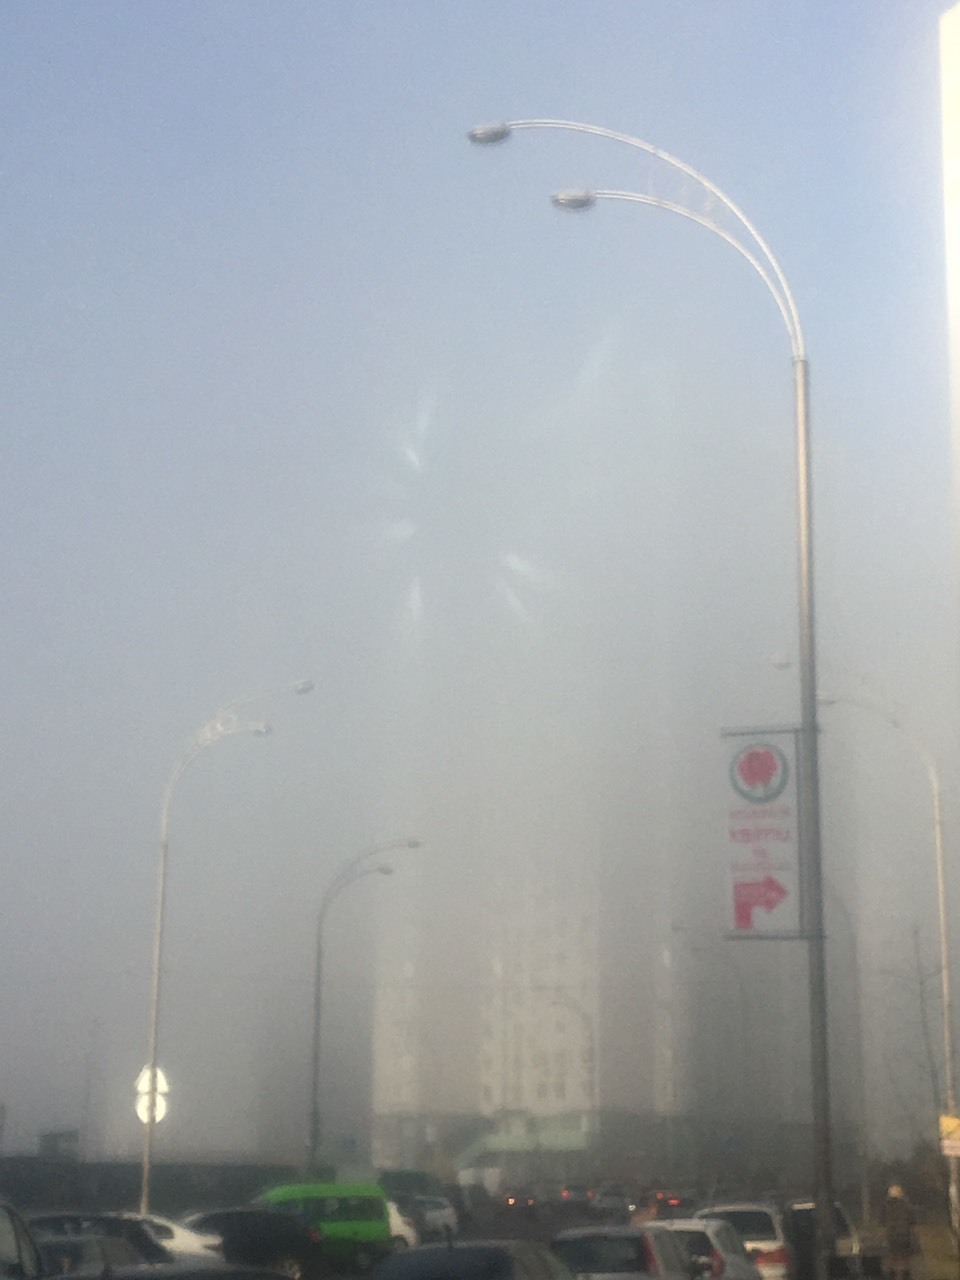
(950, 1135)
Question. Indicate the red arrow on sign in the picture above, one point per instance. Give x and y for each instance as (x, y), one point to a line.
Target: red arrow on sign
(749, 895)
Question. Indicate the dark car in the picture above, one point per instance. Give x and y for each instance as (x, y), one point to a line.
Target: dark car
(179, 1271)
(672, 1204)
(518, 1200)
(131, 1234)
(260, 1238)
(62, 1254)
(478, 1260)
(19, 1255)
(575, 1197)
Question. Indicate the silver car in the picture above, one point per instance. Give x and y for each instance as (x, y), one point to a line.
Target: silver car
(622, 1253)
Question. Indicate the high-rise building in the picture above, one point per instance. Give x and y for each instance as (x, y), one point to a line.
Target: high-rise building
(950, 101)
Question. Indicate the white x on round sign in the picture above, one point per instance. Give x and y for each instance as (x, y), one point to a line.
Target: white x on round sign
(143, 1096)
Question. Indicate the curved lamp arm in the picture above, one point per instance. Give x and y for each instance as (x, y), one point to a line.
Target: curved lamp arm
(491, 133)
(344, 882)
(345, 874)
(577, 200)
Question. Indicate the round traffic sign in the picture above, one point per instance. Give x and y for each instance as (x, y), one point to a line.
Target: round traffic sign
(143, 1108)
(143, 1089)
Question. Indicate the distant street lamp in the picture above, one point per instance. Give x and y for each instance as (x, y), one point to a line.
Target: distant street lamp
(223, 725)
(927, 759)
(349, 874)
(757, 252)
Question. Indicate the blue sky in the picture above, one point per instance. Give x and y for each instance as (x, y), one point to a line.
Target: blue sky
(251, 259)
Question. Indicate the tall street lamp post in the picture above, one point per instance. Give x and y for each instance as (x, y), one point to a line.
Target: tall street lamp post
(750, 245)
(352, 871)
(927, 759)
(224, 724)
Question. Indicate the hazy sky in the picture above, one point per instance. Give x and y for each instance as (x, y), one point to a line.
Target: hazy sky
(298, 383)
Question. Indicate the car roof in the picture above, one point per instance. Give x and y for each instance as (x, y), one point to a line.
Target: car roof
(57, 1242)
(507, 1245)
(258, 1209)
(330, 1189)
(177, 1271)
(58, 1213)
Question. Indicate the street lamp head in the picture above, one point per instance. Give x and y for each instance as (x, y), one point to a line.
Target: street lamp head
(487, 134)
(304, 686)
(576, 200)
(385, 871)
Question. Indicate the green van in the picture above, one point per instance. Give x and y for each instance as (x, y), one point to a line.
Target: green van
(351, 1215)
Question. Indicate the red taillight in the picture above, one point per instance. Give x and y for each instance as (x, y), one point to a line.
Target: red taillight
(717, 1264)
(564, 1194)
(771, 1257)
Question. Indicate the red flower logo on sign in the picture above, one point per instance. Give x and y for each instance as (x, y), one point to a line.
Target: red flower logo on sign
(758, 767)
(759, 772)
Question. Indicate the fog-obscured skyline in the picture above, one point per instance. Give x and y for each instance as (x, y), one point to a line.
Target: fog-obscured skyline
(299, 384)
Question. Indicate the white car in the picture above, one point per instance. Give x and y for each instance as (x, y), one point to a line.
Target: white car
(622, 1253)
(763, 1234)
(403, 1232)
(438, 1216)
(182, 1241)
(714, 1247)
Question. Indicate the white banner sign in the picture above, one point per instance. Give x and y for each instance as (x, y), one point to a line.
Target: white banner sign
(762, 840)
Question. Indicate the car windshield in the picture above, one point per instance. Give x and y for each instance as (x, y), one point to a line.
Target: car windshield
(586, 1255)
(749, 1224)
(698, 1243)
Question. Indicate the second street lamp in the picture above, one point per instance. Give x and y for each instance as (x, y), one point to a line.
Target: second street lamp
(750, 245)
(927, 759)
(352, 871)
(223, 725)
